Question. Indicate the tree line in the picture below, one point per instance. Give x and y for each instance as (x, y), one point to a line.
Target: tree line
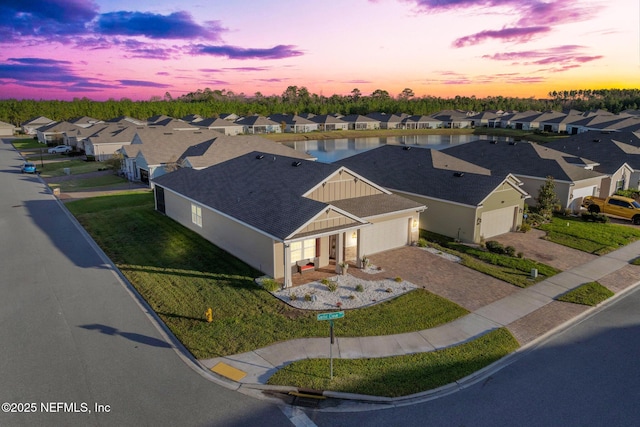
(297, 100)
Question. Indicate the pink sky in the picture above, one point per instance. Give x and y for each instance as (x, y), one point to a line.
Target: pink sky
(63, 49)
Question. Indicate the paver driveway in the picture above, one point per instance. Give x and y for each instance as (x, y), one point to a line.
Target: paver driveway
(462, 285)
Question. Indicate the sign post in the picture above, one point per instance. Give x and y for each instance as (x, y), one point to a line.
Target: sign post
(330, 317)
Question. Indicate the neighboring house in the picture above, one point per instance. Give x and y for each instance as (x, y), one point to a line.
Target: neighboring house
(293, 123)
(359, 122)
(229, 116)
(328, 122)
(454, 119)
(170, 124)
(273, 213)
(422, 122)
(557, 122)
(532, 164)
(617, 154)
(223, 148)
(522, 121)
(127, 121)
(388, 121)
(153, 151)
(6, 129)
(84, 121)
(76, 138)
(104, 143)
(53, 134)
(31, 126)
(225, 127)
(193, 118)
(464, 201)
(485, 119)
(258, 124)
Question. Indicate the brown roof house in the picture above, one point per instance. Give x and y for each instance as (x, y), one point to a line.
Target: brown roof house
(463, 200)
(276, 213)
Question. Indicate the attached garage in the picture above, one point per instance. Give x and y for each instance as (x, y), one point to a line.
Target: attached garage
(498, 221)
(578, 194)
(385, 235)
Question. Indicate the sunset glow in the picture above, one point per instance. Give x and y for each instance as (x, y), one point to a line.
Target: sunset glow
(65, 49)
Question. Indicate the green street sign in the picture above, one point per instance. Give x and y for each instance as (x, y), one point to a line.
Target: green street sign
(331, 316)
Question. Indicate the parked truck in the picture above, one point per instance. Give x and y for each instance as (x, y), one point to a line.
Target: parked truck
(618, 206)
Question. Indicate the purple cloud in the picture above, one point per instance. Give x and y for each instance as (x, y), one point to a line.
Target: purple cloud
(143, 83)
(568, 56)
(506, 34)
(45, 18)
(235, 52)
(178, 25)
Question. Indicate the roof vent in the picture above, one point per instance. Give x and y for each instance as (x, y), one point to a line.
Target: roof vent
(260, 156)
(296, 164)
(406, 148)
(458, 174)
(596, 140)
(512, 143)
(493, 141)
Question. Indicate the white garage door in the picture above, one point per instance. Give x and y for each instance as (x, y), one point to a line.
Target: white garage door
(497, 222)
(578, 194)
(385, 235)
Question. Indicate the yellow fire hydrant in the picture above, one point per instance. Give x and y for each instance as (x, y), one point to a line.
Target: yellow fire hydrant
(209, 315)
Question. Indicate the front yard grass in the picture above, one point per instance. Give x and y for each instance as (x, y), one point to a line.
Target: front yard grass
(77, 166)
(591, 294)
(399, 375)
(594, 238)
(516, 271)
(181, 275)
(85, 183)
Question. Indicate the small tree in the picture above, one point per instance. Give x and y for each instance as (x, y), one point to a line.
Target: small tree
(547, 198)
(114, 162)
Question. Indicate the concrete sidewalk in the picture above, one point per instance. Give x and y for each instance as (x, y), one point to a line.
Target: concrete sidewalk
(520, 307)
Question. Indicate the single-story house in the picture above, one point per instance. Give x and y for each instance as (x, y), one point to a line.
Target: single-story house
(279, 213)
(54, 132)
(617, 154)
(328, 122)
(6, 129)
(225, 127)
(454, 119)
(531, 163)
(258, 124)
(293, 123)
(359, 122)
(105, 142)
(464, 201)
(422, 122)
(388, 121)
(31, 126)
(84, 121)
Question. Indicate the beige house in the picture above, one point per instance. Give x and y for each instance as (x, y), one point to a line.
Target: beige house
(276, 213)
(6, 129)
(464, 201)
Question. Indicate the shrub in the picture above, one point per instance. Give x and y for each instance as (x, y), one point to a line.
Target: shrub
(270, 285)
(495, 247)
(422, 243)
(510, 250)
(520, 255)
(352, 296)
(332, 286)
(325, 282)
(398, 279)
(359, 288)
(307, 297)
(594, 217)
(293, 297)
(525, 227)
(388, 290)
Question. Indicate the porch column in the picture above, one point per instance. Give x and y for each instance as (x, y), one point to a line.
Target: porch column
(287, 265)
(360, 246)
(339, 252)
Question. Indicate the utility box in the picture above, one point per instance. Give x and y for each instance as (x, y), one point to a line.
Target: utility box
(67, 171)
(534, 273)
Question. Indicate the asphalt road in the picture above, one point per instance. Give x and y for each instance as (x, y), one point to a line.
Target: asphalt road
(73, 337)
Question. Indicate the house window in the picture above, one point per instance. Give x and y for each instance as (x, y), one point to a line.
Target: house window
(620, 185)
(305, 249)
(196, 215)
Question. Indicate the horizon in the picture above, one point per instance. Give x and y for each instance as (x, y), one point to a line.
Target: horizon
(107, 50)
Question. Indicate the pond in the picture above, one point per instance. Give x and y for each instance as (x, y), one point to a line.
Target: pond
(331, 150)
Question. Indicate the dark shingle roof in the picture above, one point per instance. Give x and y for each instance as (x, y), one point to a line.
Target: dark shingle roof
(522, 158)
(413, 171)
(377, 204)
(264, 193)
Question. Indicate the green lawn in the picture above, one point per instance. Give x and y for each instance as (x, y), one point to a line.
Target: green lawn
(516, 271)
(592, 294)
(181, 275)
(399, 375)
(86, 183)
(592, 237)
(76, 166)
(26, 143)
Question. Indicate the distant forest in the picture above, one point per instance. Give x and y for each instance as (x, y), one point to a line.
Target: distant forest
(297, 100)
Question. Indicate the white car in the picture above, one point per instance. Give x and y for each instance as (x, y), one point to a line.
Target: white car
(59, 149)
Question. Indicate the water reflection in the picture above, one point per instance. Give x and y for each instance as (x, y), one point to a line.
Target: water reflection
(331, 150)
